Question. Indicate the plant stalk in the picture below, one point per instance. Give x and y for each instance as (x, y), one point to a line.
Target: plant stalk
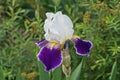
(51, 75)
(68, 78)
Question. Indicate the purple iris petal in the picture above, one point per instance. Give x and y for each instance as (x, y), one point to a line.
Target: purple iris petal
(82, 46)
(41, 43)
(50, 57)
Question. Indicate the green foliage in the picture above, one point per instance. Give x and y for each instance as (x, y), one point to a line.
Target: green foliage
(43, 75)
(21, 25)
(1, 74)
(57, 74)
(114, 72)
(77, 72)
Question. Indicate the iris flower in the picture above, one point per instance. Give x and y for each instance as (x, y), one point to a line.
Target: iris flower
(58, 30)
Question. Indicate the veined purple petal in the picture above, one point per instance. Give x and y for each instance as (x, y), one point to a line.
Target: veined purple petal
(82, 46)
(41, 43)
(50, 57)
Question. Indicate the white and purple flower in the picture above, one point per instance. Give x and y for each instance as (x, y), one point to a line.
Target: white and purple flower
(58, 30)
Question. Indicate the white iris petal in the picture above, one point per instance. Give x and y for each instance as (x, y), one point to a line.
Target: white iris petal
(58, 27)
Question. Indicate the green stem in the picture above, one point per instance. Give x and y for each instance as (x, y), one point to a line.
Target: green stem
(51, 75)
(55, 9)
(68, 78)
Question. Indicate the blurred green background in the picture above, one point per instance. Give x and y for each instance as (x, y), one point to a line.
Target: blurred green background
(21, 25)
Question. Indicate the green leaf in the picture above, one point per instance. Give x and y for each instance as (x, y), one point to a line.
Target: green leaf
(42, 74)
(19, 77)
(1, 74)
(77, 72)
(57, 73)
(113, 72)
(56, 2)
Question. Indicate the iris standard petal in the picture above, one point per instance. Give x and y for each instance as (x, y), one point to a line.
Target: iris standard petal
(50, 57)
(58, 27)
(41, 43)
(82, 46)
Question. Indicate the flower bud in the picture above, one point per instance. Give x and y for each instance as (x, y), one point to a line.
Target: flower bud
(66, 63)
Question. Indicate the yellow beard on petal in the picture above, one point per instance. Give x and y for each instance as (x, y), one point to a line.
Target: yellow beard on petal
(55, 43)
(52, 44)
(75, 36)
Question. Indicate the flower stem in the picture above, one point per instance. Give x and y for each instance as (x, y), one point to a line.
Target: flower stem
(55, 9)
(51, 75)
(67, 77)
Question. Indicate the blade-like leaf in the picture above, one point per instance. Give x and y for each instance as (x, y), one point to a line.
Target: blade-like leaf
(1, 74)
(19, 76)
(57, 74)
(113, 72)
(76, 73)
(42, 74)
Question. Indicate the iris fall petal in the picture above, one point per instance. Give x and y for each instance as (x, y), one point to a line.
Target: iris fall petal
(50, 57)
(82, 46)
